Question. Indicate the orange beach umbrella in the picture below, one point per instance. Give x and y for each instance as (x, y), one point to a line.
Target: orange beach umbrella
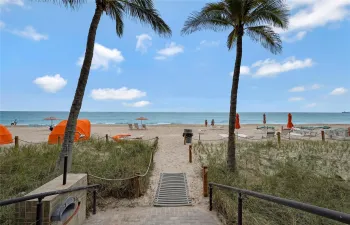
(82, 131)
(5, 135)
(264, 119)
(237, 124)
(290, 124)
(141, 118)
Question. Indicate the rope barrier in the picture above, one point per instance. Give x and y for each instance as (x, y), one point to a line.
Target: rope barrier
(31, 142)
(123, 179)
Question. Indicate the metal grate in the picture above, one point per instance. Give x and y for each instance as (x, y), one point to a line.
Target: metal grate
(172, 190)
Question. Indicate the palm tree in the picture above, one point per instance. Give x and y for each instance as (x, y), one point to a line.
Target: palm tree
(252, 17)
(142, 10)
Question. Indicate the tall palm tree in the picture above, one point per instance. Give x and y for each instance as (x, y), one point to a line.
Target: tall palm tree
(252, 17)
(142, 10)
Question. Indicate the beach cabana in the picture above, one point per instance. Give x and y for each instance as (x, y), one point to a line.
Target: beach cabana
(82, 131)
(5, 135)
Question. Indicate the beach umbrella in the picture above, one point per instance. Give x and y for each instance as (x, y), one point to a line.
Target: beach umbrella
(290, 124)
(264, 119)
(141, 118)
(52, 119)
(237, 124)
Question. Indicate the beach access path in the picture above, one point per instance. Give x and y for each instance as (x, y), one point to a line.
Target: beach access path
(172, 157)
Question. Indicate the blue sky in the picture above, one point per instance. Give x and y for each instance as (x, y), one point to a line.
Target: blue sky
(41, 46)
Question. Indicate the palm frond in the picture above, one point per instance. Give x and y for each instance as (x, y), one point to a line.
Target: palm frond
(231, 39)
(213, 16)
(271, 12)
(267, 37)
(115, 10)
(143, 11)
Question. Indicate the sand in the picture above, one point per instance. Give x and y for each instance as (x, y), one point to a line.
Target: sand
(172, 155)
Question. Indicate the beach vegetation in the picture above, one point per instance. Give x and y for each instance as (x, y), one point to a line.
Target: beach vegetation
(26, 168)
(311, 172)
(256, 19)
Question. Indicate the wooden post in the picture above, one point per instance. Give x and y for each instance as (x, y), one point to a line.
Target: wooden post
(200, 135)
(205, 181)
(349, 131)
(279, 138)
(184, 140)
(106, 137)
(322, 135)
(190, 153)
(137, 192)
(58, 140)
(16, 142)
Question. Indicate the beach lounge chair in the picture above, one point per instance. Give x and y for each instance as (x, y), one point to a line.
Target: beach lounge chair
(144, 126)
(130, 126)
(136, 125)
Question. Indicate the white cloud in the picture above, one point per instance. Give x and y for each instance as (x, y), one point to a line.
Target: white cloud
(311, 105)
(269, 68)
(2, 24)
(103, 56)
(116, 94)
(30, 33)
(297, 89)
(245, 70)
(339, 91)
(297, 37)
(316, 86)
(295, 99)
(50, 84)
(170, 50)
(144, 41)
(11, 2)
(206, 43)
(137, 104)
(310, 14)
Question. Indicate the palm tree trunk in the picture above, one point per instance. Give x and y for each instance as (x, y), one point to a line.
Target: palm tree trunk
(231, 151)
(79, 92)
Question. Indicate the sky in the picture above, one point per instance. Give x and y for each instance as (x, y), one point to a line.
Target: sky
(42, 45)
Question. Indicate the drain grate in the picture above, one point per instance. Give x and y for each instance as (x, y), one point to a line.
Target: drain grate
(172, 190)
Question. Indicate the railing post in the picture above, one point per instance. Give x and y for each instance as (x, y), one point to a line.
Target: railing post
(39, 212)
(184, 140)
(240, 209)
(190, 153)
(199, 136)
(322, 135)
(16, 142)
(349, 131)
(205, 181)
(210, 197)
(136, 185)
(94, 202)
(65, 170)
(279, 139)
(106, 137)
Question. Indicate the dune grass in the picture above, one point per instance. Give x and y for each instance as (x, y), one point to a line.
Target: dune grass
(307, 171)
(30, 166)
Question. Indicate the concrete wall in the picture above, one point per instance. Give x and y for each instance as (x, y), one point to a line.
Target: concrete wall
(26, 211)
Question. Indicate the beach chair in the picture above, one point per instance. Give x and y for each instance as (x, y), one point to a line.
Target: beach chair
(136, 125)
(144, 126)
(130, 126)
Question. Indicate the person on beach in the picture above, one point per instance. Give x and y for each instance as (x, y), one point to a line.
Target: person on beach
(206, 123)
(212, 122)
(14, 123)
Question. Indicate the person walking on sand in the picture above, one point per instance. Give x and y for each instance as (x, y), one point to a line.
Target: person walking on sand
(212, 122)
(206, 123)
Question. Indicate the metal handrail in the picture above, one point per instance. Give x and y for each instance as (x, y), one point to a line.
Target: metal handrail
(41, 196)
(327, 213)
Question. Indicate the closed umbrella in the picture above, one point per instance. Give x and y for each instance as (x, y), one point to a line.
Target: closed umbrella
(237, 124)
(264, 119)
(141, 118)
(290, 124)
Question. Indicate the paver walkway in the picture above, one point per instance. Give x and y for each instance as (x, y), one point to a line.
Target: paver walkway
(172, 157)
(186, 215)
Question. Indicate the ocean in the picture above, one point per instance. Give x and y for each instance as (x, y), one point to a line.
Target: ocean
(157, 118)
